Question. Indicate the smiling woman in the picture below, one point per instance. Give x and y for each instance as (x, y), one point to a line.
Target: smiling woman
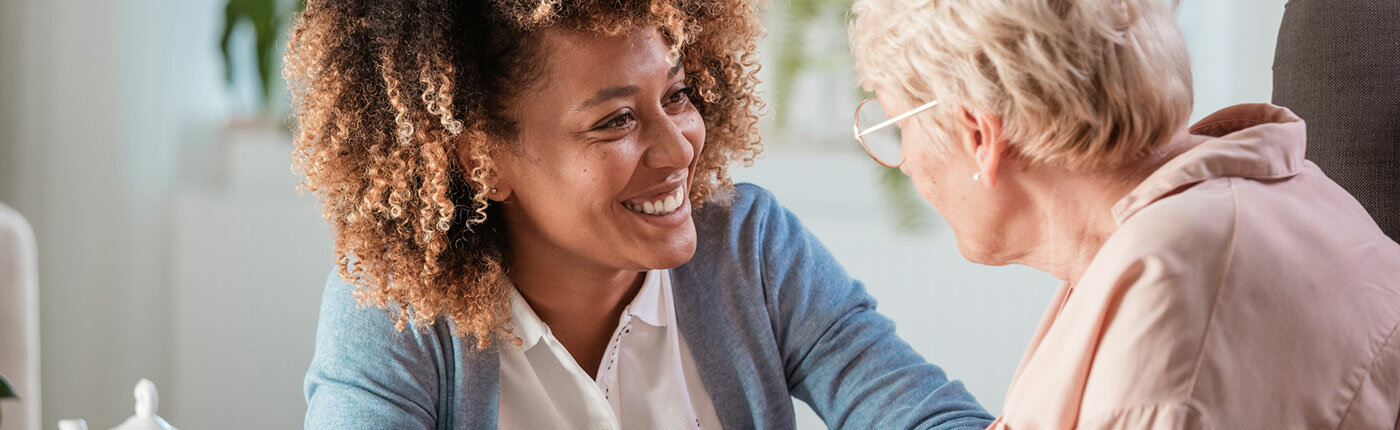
(385, 103)
(540, 189)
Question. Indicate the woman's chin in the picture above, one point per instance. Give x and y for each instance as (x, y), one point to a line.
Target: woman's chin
(979, 254)
(671, 261)
(671, 252)
(675, 255)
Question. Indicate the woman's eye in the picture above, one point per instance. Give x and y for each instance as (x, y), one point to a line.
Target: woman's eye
(681, 96)
(620, 121)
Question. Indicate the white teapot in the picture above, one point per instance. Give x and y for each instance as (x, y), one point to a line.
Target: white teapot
(145, 418)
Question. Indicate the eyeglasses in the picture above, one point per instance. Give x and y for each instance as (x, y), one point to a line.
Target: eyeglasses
(883, 146)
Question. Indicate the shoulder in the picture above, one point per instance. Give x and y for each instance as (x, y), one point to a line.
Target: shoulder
(746, 216)
(730, 211)
(729, 233)
(1168, 259)
(746, 228)
(344, 320)
(752, 245)
(366, 372)
(343, 317)
(1188, 233)
(1173, 253)
(338, 301)
(358, 342)
(1151, 290)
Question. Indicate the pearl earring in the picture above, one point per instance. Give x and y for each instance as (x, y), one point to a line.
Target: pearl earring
(494, 190)
(977, 177)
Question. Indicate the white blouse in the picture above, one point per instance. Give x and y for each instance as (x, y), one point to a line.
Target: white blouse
(646, 380)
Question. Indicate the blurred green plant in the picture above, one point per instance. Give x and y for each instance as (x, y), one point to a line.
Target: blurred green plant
(267, 17)
(5, 393)
(792, 58)
(911, 214)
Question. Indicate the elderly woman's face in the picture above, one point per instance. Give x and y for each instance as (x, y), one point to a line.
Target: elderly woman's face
(607, 145)
(943, 172)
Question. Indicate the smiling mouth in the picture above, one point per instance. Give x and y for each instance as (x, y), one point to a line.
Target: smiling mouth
(658, 206)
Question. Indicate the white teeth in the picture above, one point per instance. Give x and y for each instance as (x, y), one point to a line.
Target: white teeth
(670, 204)
(659, 207)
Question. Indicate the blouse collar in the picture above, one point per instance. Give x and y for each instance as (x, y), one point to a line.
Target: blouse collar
(1259, 141)
(646, 307)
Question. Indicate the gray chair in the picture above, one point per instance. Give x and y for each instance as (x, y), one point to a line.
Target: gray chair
(1337, 65)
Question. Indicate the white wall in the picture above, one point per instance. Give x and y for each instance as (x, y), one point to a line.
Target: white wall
(70, 186)
(1232, 50)
(109, 117)
(97, 101)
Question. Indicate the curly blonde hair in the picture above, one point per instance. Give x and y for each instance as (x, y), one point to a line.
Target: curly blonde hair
(388, 94)
(1085, 84)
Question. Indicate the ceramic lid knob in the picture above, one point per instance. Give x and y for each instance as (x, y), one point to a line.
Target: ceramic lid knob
(146, 398)
(146, 402)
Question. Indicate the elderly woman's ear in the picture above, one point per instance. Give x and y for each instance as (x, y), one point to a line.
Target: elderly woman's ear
(982, 138)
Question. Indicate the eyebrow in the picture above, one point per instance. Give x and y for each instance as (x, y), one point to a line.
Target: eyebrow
(610, 93)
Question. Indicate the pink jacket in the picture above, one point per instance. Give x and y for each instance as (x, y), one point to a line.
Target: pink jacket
(1242, 290)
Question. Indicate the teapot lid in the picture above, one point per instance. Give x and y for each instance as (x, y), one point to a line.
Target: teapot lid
(146, 402)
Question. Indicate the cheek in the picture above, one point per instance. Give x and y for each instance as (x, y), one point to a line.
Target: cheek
(561, 191)
(598, 177)
(929, 173)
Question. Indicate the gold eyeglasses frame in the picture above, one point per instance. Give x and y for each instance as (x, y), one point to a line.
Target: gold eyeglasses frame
(860, 134)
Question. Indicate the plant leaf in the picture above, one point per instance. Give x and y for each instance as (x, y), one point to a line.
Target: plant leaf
(5, 391)
(267, 18)
(792, 58)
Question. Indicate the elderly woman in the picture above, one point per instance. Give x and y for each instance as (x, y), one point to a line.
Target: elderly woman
(538, 192)
(1213, 278)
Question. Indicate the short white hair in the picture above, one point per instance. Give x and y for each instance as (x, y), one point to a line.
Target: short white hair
(1082, 83)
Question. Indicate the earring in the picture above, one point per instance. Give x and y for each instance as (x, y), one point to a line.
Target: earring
(494, 190)
(977, 177)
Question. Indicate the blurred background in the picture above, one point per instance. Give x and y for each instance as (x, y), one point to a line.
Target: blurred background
(140, 142)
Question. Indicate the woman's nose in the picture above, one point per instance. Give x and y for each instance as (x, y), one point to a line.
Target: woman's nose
(667, 145)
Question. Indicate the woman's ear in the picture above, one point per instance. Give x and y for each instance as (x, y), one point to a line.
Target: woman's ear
(498, 183)
(499, 191)
(984, 141)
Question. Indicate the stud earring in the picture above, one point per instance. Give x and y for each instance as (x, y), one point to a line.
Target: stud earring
(494, 190)
(977, 177)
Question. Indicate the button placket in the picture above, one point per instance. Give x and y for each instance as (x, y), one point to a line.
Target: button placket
(608, 374)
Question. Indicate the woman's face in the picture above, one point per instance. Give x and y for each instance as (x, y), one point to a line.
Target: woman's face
(942, 172)
(606, 149)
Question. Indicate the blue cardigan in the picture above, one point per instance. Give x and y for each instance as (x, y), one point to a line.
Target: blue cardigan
(767, 311)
